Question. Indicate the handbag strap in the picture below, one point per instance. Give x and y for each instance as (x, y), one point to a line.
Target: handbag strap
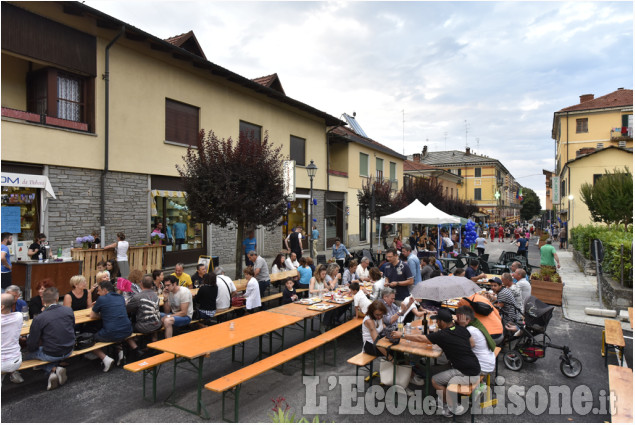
(229, 292)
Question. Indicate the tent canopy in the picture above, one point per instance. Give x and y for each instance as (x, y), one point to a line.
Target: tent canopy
(417, 213)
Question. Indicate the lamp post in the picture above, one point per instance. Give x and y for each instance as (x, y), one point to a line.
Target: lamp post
(499, 214)
(311, 170)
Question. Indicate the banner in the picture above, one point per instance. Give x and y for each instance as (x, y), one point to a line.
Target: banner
(555, 190)
(288, 175)
(27, 180)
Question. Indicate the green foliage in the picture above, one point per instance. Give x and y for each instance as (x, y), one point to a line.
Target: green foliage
(384, 200)
(613, 238)
(531, 204)
(610, 199)
(546, 274)
(282, 413)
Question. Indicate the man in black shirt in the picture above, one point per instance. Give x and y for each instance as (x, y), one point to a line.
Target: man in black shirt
(294, 243)
(38, 247)
(197, 278)
(398, 275)
(456, 343)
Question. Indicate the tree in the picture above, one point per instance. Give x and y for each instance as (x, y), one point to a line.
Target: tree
(426, 190)
(459, 207)
(375, 200)
(530, 204)
(234, 184)
(610, 199)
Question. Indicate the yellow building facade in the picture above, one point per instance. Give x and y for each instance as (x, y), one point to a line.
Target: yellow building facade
(160, 95)
(591, 137)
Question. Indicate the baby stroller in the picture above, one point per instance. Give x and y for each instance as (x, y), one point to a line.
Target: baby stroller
(532, 344)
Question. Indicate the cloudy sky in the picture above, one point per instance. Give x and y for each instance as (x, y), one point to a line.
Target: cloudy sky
(499, 69)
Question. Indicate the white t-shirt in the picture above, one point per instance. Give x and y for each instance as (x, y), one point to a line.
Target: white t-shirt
(182, 296)
(447, 242)
(252, 294)
(362, 273)
(360, 300)
(377, 287)
(11, 326)
(486, 358)
(223, 298)
(480, 242)
(291, 265)
(525, 290)
(122, 250)
(366, 336)
(275, 269)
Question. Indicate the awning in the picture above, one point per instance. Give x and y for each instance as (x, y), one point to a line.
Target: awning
(28, 180)
(480, 214)
(166, 194)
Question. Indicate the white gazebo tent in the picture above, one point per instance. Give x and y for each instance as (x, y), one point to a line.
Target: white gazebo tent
(417, 213)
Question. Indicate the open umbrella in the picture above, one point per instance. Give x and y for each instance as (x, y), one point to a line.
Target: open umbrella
(443, 288)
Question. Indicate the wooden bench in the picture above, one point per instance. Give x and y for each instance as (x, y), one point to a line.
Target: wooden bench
(613, 338)
(336, 332)
(364, 361)
(621, 386)
(28, 364)
(232, 382)
(150, 365)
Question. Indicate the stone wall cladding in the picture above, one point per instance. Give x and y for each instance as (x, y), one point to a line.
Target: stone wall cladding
(76, 211)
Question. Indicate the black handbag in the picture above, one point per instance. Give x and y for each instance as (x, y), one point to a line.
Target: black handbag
(480, 307)
(84, 340)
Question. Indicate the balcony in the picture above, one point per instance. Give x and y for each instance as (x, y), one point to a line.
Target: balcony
(43, 119)
(338, 173)
(623, 134)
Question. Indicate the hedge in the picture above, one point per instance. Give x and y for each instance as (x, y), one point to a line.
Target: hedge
(612, 237)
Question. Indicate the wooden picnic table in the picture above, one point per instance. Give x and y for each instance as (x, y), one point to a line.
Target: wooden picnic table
(81, 316)
(203, 342)
(630, 316)
(419, 349)
(621, 381)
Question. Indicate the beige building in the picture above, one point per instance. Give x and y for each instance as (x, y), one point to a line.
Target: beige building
(593, 136)
(105, 112)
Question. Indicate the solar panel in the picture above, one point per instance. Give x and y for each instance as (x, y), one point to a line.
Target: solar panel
(352, 122)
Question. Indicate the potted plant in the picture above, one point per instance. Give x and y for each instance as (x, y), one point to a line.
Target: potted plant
(547, 286)
(543, 239)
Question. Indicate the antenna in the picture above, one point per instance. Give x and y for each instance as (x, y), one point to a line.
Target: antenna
(403, 131)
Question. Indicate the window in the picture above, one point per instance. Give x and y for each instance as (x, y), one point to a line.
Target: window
(393, 171)
(477, 172)
(458, 172)
(297, 150)
(379, 165)
(596, 178)
(582, 125)
(477, 194)
(58, 94)
(563, 187)
(250, 130)
(362, 224)
(181, 122)
(363, 164)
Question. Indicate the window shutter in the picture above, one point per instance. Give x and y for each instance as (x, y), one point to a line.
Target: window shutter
(181, 122)
(297, 151)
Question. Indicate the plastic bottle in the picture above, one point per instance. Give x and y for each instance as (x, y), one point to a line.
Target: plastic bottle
(59, 252)
(408, 329)
(231, 326)
(25, 313)
(40, 258)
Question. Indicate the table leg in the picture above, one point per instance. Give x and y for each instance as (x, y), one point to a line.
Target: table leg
(428, 377)
(260, 347)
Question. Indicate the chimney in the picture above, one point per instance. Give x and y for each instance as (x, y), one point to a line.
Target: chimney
(416, 157)
(586, 97)
(425, 151)
(620, 88)
(467, 150)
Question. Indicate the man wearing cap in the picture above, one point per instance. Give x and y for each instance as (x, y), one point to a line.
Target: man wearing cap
(504, 299)
(457, 343)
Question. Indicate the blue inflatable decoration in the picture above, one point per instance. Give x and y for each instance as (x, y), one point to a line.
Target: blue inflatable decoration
(315, 220)
(314, 201)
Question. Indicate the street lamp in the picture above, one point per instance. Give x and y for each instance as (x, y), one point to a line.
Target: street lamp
(499, 214)
(311, 170)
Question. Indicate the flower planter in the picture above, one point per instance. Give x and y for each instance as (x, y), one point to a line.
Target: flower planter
(546, 291)
(541, 243)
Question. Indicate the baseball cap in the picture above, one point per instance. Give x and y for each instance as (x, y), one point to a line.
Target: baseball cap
(497, 280)
(443, 315)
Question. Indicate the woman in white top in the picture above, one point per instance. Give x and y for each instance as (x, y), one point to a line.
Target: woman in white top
(278, 264)
(318, 281)
(333, 276)
(378, 283)
(121, 250)
(252, 293)
(372, 327)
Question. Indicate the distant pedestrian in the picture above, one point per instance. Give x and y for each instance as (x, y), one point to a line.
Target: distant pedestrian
(315, 235)
(249, 244)
(563, 238)
(548, 256)
(492, 233)
(501, 233)
(293, 242)
(121, 250)
(480, 244)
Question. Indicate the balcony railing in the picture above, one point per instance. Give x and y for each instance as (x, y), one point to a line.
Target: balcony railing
(338, 173)
(622, 134)
(43, 119)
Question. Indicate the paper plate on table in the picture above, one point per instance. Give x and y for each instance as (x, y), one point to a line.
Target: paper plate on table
(309, 301)
(321, 307)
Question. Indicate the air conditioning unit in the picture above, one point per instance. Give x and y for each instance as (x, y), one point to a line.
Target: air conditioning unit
(621, 143)
(600, 146)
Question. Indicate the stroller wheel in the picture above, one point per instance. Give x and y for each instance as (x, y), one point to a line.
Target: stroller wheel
(572, 370)
(513, 360)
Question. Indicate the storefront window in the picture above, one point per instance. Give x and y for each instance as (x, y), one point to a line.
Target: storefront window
(181, 233)
(25, 200)
(297, 215)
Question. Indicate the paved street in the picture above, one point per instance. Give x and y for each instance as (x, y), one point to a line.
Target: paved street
(93, 396)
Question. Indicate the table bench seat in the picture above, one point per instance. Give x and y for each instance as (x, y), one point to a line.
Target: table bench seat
(28, 364)
(151, 366)
(621, 385)
(613, 337)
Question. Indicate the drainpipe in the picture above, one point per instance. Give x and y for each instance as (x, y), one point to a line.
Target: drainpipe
(106, 77)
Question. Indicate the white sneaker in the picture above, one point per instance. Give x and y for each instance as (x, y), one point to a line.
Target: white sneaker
(61, 374)
(53, 381)
(409, 392)
(120, 358)
(457, 410)
(417, 380)
(108, 362)
(16, 378)
(446, 412)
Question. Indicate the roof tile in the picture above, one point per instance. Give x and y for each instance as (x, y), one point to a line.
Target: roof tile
(617, 98)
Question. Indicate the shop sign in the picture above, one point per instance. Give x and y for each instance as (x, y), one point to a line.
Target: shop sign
(288, 176)
(555, 190)
(27, 180)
